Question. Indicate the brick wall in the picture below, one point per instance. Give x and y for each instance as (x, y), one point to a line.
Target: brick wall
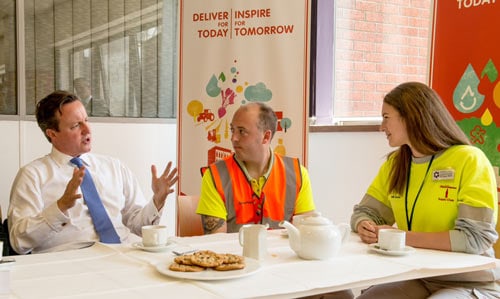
(378, 44)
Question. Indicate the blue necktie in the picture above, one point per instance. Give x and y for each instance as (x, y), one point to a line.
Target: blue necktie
(102, 223)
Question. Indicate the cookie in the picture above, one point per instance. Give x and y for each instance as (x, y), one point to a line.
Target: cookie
(206, 258)
(183, 260)
(230, 258)
(229, 267)
(185, 268)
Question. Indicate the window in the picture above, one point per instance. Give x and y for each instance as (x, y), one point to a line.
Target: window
(124, 51)
(119, 56)
(8, 83)
(365, 50)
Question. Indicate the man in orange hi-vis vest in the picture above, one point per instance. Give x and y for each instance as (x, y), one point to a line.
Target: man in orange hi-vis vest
(254, 185)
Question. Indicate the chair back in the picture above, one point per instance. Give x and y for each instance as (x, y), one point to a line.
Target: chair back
(5, 238)
(188, 222)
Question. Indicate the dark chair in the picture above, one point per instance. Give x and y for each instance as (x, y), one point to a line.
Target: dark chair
(4, 237)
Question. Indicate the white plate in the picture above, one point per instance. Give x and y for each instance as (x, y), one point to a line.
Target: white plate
(251, 266)
(167, 246)
(405, 251)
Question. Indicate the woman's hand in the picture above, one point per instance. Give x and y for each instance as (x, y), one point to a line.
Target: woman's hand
(368, 231)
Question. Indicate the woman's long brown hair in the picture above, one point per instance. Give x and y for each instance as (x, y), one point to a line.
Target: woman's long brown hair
(429, 125)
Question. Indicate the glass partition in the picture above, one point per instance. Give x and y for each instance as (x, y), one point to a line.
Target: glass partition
(117, 55)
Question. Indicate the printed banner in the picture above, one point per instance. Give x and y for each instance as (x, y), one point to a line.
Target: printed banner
(464, 71)
(464, 68)
(233, 52)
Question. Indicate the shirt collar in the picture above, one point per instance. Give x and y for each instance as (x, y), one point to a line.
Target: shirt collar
(245, 171)
(63, 159)
(427, 158)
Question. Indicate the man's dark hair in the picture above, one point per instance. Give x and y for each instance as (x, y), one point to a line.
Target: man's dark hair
(47, 108)
(267, 118)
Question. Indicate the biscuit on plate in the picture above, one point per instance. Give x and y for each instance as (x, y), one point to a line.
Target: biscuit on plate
(185, 268)
(183, 260)
(206, 258)
(229, 267)
(230, 258)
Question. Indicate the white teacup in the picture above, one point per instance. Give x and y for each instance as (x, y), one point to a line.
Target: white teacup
(154, 235)
(391, 239)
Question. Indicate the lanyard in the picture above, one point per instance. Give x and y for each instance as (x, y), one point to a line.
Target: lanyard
(409, 219)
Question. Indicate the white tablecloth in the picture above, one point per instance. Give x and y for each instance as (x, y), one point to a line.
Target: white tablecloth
(121, 271)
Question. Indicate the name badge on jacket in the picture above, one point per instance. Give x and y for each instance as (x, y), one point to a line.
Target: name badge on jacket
(445, 174)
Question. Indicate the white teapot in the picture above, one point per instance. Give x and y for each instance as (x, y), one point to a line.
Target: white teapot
(316, 238)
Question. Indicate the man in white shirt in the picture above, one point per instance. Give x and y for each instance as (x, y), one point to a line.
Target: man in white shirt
(47, 211)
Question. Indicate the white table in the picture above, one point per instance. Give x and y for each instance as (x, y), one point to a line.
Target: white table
(120, 271)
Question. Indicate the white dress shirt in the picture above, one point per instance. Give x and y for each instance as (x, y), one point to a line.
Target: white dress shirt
(37, 225)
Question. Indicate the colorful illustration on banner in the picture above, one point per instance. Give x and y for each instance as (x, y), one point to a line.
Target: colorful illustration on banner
(223, 93)
(479, 93)
(280, 148)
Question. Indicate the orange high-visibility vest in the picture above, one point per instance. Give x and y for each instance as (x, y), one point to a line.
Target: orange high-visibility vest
(279, 193)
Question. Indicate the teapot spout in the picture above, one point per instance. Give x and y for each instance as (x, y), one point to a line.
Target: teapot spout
(293, 235)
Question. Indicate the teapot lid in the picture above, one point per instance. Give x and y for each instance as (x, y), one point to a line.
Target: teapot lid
(316, 220)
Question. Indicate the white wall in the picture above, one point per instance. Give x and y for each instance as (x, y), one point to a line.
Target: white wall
(341, 165)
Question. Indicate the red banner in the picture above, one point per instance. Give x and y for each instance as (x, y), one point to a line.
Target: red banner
(465, 63)
(464, 70)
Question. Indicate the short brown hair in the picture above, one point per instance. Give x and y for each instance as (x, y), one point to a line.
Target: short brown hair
(47, 108)
(267, 118)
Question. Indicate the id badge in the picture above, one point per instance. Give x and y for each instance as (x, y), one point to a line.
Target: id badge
(445, 174)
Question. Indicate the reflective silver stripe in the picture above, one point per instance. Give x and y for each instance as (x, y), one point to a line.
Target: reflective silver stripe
(227, 187)
(291, 184)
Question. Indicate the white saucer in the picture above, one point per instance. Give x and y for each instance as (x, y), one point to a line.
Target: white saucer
(405, 251)
(167, 246)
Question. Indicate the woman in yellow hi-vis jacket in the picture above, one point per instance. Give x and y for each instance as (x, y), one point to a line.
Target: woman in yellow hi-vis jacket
(435, 186)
